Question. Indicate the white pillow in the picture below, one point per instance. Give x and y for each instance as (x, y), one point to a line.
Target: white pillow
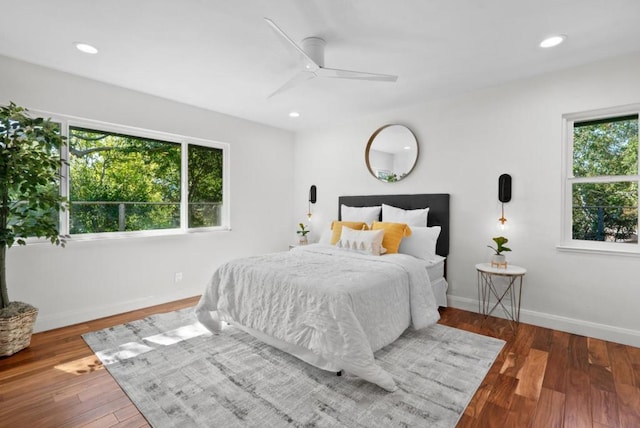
(364, 214)
(411, 217)
(421, 243)
(364, 241)
(327, 234)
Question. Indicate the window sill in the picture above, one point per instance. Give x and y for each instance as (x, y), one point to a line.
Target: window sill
(604, 249)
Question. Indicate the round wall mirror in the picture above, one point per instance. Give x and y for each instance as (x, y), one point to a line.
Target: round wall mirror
(392, 152)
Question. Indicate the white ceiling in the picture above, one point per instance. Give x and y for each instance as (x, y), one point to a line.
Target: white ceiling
(222, 56)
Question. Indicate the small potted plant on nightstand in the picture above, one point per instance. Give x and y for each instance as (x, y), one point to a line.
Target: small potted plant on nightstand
(303, 234)
(30, 203)
(498, 258)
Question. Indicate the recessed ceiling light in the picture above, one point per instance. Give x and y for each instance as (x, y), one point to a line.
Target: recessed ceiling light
(407, 147)
(552, 41)
(294, 114)
(83, 47)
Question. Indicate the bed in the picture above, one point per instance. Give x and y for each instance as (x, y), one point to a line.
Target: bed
(438, 204)
(330, 307)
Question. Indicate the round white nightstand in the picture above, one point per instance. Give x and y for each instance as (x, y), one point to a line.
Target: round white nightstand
(486, 288)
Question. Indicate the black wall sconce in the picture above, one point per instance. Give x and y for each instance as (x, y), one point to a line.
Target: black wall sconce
(504, 194)
(313, 197)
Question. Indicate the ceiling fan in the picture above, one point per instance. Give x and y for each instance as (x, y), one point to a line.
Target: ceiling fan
(311, 52)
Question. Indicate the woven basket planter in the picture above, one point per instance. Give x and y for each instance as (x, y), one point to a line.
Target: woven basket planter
(15, 332)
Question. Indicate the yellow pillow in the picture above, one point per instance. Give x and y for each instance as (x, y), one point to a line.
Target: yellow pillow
(393, 234)
(336, 227)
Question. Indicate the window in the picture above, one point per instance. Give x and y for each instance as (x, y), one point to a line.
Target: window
(601, 180)
(121, 183)
(121, 180)
(204, 186)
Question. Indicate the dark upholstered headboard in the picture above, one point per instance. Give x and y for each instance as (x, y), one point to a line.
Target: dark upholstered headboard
(438, 204)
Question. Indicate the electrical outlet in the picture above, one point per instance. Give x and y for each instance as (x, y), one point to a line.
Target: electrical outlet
(178, 277)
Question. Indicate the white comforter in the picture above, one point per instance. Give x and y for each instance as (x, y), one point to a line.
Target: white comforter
(334, 307)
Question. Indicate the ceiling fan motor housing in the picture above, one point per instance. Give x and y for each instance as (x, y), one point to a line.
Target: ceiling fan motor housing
(314, 48)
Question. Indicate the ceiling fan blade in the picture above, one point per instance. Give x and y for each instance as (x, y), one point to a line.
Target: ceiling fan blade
(302, 76)
(310, 64)
(354, 75)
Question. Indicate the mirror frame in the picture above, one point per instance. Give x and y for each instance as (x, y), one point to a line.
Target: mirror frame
(370, 142)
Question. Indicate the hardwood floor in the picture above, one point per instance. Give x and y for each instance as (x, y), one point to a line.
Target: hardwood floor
(548, 378)
(542, 378)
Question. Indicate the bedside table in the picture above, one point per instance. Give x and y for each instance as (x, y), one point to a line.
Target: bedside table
(514, 276)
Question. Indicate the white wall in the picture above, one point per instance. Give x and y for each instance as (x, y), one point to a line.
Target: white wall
(92, 279)
(465, 144)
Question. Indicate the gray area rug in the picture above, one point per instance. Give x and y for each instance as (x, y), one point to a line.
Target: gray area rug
(179, 374)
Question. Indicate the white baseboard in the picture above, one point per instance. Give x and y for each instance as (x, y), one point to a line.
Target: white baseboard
(541, 319)
(49, 322)
(570, 325)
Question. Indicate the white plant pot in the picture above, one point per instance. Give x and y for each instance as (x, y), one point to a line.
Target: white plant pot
(499, 260)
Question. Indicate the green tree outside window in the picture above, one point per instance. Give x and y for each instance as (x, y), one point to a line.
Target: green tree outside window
(606, 210)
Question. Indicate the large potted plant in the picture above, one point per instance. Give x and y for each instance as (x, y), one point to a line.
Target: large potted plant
(30, 203)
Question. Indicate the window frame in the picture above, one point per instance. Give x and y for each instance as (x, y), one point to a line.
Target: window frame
(568, 179)
(70, 121)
